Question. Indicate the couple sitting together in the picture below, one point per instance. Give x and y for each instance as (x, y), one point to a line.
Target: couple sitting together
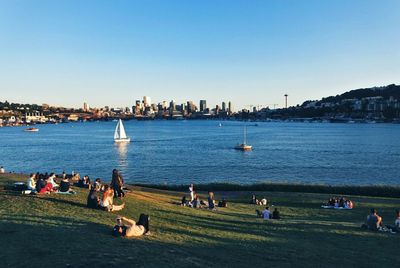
(266, 214)
(374, 223)
(106, 202)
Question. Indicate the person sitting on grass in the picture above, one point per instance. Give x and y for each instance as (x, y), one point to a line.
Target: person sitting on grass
(106, 202)
(93, 201)
(276, 215)
(43, 187)
(30, 185)
(84, 182)
(397, 221)
(97, 185)
(266, 214)
(183, 201)
(64, 185)
(211, 202)
(51, 180)
(222, 203)
(196, 202)
(374, 221)
(396, 227)
(129, 228)
(40, 183)
(263, 202)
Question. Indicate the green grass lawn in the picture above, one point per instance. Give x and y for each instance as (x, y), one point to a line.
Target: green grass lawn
(59, 231)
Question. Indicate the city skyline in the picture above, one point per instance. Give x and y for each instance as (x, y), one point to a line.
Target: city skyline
(106, 53)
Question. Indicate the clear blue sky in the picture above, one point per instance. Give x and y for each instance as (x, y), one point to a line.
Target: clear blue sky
(249, 52)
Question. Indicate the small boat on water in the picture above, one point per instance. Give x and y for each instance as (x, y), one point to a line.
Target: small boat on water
(244, 146)
(31, 129)
(120, 134)
(220, 125)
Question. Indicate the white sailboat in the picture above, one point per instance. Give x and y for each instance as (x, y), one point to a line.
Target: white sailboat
(244, 146)
(120, 134)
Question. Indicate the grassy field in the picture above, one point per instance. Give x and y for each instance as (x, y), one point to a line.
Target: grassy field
(59, 231)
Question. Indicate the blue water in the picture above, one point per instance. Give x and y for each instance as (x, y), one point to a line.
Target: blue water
(182, 152)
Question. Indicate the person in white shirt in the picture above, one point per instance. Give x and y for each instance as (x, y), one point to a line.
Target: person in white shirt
(191, 190)
(31, 184)
(397, 221)
(266, 213)
(51, 180)
(263, 202)
(2, 171)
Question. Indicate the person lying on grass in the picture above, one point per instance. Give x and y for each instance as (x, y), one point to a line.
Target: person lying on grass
(106, 202)
(129, 228)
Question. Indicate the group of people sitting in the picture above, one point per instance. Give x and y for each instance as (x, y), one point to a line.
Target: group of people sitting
(336, 202)
(39, 183)
(196, 202)
(103, 198)
(255, 201)
(267, 215)
(374, 223)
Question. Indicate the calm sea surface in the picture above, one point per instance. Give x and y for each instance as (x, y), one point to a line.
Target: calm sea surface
(181, 152)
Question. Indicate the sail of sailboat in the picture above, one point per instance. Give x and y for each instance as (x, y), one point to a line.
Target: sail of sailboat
(120, 134)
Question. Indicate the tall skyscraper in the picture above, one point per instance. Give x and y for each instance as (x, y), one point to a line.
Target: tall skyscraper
(230, 107)
(85, 107)
(203, 105)
(146, 101)
(223, 106)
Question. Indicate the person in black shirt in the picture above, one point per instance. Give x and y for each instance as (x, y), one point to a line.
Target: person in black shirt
(93, 200)
(276, 215)
(64, 185)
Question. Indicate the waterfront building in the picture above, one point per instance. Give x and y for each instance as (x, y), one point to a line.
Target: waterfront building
(203, 105)
(223, 106)
(146, 101)
(191, 107)
(85, 107)
(230, 108)
(164, 105)
(34, 117)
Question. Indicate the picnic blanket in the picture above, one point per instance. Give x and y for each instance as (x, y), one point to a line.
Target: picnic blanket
(333, 207)
(66, 193)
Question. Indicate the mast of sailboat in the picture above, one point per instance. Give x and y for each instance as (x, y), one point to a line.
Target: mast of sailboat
(244, 135)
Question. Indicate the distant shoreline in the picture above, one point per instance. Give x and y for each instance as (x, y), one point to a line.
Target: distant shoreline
(269, 120)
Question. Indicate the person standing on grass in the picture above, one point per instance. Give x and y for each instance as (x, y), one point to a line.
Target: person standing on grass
(266, 213)
(191, 191)
(2, 170)
(116, 183)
